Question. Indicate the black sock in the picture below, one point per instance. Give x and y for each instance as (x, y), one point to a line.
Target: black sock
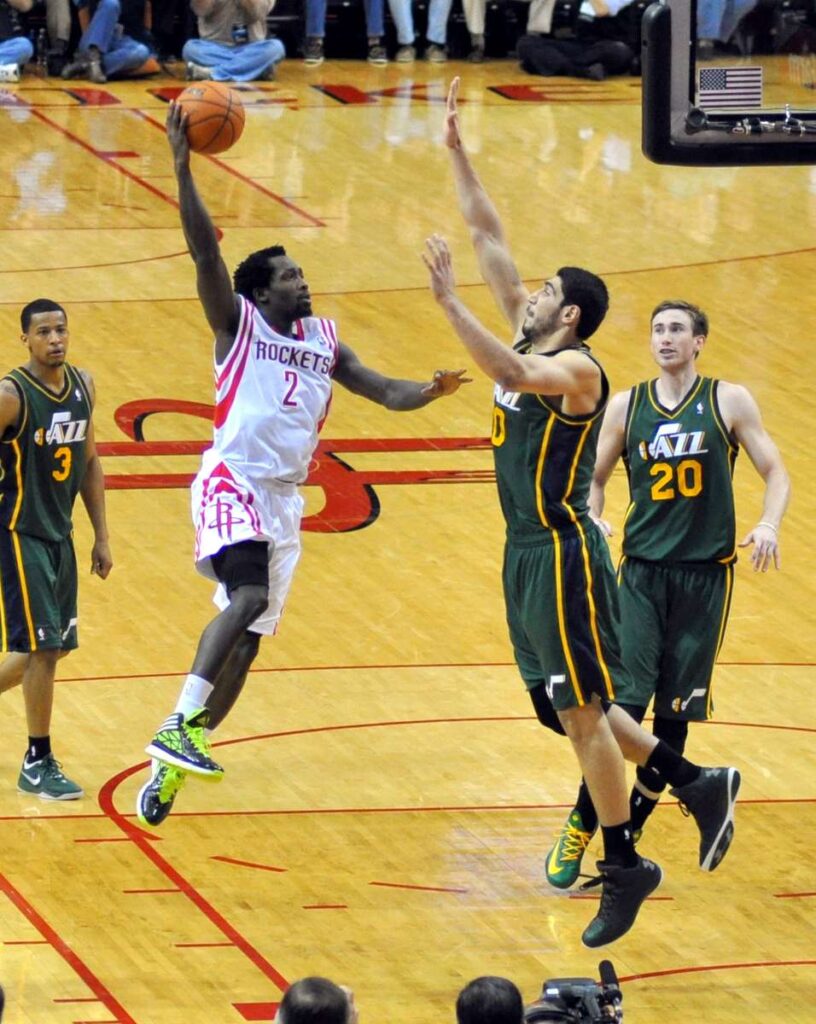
(585, 807)
(640, 805)
(618, 845)
(38, 748)
(671, 765)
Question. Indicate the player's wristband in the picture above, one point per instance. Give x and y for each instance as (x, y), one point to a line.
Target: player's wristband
(769, 525)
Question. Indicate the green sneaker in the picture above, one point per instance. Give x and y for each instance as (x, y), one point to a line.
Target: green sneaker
(564, 859)
(44, 779)
(156, 796)
(184, 744)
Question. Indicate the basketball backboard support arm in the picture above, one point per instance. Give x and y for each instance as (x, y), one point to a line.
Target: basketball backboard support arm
(675, 131)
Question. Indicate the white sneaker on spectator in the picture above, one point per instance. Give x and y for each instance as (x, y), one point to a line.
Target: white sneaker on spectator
(197, 72)
(9, 73)
(405, 54)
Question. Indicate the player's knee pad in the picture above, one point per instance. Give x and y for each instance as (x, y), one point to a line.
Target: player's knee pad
(634, 711)
(245, 564)
(673, 731)
(544, 710)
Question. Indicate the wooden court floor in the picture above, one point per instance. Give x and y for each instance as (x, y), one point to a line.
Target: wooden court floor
(389, 798)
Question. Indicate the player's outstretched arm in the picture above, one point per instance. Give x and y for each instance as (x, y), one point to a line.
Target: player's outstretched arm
(742, 416)
(495, 261)
(92, 492)
(212, 277)
(611, 442)
(390, 392)
(567, 373)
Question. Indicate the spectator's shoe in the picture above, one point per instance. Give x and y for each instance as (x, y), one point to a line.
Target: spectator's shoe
(477, 49)
(435, 53)
(182, 743)
(44, 779)
(405, 55)
(313, 54)
(155, 799)
(624, 889)
(76, 68)
(594, 72)
(9, 73)
(710, 800)
(95, 72)
(268, 74)
(563, 865)
(197, 72)
(377, 54)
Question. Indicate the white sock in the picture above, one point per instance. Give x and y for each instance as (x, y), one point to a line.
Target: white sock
(193, 696)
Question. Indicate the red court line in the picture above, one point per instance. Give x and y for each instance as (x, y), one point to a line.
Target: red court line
(148, 849)
(419, 888)
(110, 839)
(25, 942)
(68, 955)
(87, 999)
(792, 895)
(249, 864)
(396, 665)
(669, 972)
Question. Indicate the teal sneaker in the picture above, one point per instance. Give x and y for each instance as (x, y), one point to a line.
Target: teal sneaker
(563, 864)
(44, 779)
(183, 743)
(155, 799)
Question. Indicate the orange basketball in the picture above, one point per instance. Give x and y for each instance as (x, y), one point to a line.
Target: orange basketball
(215, 116)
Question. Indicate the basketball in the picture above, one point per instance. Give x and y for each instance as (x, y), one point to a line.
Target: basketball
(215, 116)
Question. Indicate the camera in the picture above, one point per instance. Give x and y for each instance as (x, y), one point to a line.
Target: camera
(579, 1000)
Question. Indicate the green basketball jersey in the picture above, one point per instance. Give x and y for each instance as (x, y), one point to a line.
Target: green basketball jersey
(680, 464)
(43, 463)
(544, 461)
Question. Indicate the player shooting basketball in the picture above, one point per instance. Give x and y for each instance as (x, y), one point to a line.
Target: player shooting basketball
(275, 364)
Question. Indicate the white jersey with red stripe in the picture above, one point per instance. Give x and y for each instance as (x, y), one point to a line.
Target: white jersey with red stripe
(272, 394)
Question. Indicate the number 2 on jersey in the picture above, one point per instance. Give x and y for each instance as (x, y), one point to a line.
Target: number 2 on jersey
(686, 477)
(291, 379)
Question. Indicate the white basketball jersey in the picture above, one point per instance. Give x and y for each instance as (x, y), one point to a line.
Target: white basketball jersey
(272, 394)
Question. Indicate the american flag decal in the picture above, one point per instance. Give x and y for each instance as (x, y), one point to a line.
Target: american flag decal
(730, 88)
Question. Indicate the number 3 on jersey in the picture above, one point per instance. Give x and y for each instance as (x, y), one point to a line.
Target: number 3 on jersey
(685, 478)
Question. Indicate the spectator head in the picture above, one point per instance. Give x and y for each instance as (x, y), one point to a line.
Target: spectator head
(316, 1001)
(490, 1000)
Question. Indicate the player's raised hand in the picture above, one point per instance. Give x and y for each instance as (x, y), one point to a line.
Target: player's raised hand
(766, 547)
(451, 134)
(176, 126)
(437, 259)
(446, 382)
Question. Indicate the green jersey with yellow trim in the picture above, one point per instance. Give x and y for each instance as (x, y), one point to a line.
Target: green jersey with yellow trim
(42, 462)
(680, 464)
(544, 461)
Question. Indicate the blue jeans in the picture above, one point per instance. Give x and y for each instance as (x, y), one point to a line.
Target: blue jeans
(437, 31)
(121, 53)
(316, 17)
(718, 19)
(17, 50)
(242, 63)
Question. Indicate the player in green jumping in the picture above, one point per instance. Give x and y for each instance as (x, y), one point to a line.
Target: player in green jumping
(678, 436)
(47, 457)
(559, 585)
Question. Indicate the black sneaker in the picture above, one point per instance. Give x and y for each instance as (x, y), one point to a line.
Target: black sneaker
(155, 800)
(710, 800)
(624, 889)
(313, 54)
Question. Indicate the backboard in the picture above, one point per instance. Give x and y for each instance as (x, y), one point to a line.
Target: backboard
(722, 108)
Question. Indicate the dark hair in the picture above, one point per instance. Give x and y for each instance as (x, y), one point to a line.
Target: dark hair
(490, 1000)
(588, 292)
(314, 1001)
(39, 306)
(699, 321)
(254, 272)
